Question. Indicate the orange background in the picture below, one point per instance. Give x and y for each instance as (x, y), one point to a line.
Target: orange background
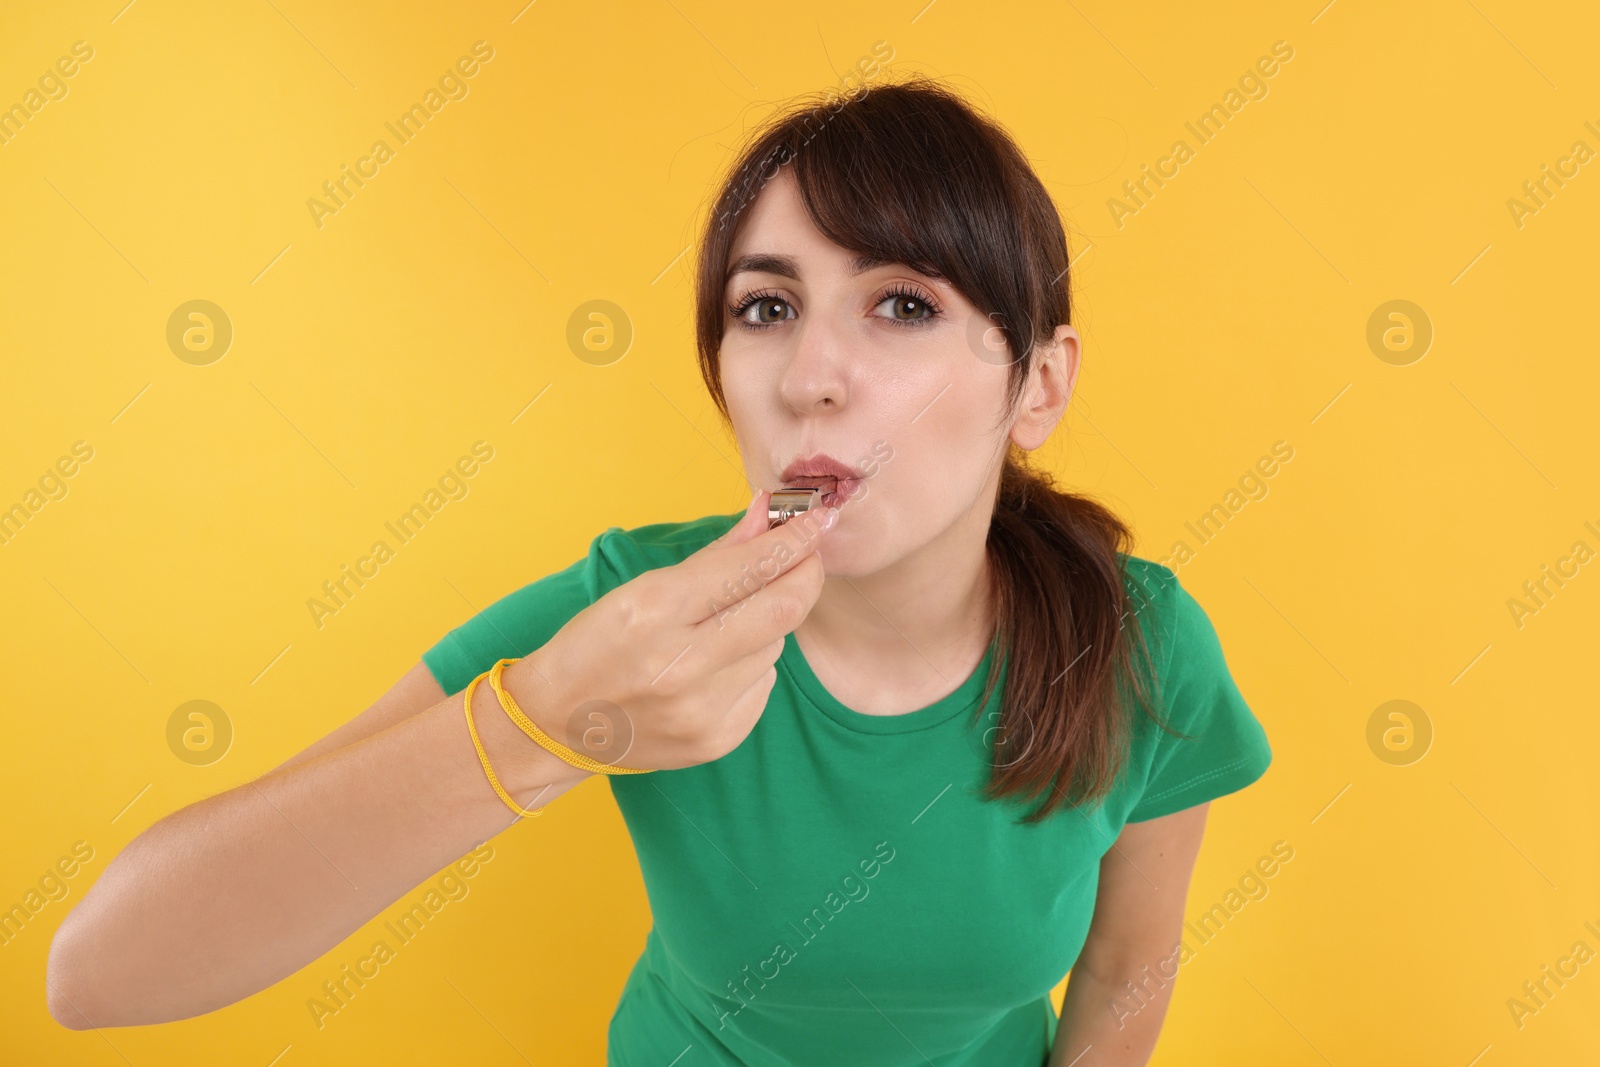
(1228, 313)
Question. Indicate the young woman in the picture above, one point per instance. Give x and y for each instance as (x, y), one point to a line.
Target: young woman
(904, 770)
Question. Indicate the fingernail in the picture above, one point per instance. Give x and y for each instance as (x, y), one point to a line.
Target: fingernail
(829, 517)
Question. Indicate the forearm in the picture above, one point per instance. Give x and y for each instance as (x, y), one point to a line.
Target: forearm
(233, 893)
(1117, 1025)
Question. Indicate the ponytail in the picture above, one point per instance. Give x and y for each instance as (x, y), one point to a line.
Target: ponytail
(1074, 669)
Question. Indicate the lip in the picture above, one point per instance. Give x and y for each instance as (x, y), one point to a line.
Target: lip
(838, 480)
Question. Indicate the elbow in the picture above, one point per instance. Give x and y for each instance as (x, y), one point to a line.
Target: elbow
(76, 988)
(65, 994)
(104, 971)
(62, 1008)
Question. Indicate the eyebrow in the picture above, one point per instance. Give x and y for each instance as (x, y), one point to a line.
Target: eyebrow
(785, 266)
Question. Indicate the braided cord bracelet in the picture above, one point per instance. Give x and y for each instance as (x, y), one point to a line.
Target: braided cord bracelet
(529, 727)
(483, 757)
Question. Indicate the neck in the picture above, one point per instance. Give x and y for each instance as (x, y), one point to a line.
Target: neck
(929, 609)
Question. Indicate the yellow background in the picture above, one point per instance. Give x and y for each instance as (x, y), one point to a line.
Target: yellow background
(1230, 312)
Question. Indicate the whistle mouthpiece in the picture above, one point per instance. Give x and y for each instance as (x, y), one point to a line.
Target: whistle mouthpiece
(787, 503)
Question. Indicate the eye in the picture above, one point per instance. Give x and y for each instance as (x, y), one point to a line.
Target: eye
(909, 306)
(768, 308)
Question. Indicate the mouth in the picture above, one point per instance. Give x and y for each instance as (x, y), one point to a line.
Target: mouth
(835, 490)
(837, 481)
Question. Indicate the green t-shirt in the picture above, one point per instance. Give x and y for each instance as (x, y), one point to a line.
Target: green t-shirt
(833, 891)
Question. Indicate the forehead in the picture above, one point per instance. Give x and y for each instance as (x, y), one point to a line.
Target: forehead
(778, 237)
(777, 228)
(777, 221)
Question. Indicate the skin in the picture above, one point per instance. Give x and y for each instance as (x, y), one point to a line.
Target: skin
(1137, 924)
(827, 360)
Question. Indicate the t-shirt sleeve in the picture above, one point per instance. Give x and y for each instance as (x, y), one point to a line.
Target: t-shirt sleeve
(523, 620)
(1227, 748)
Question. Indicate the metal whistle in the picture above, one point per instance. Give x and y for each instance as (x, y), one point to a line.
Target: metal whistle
(787, 503)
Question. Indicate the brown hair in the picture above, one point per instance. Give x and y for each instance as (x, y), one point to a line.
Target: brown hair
(911, 173)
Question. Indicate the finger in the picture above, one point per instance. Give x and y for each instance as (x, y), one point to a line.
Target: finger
(746, 711)
(751, 523)
(738, 675)
(749, 625)
(722, 574)
(720, 680)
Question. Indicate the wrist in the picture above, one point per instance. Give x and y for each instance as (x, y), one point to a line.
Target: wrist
(531, 773)
(597, 733)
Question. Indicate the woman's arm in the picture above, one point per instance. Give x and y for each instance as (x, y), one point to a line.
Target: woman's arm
(415, 692)
(237, 891)
(233, 893)
(1134, 938)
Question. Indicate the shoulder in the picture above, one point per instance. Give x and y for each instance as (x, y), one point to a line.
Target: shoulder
(1146, 578)
(629, 552)
(1175, 626)
(1155, 597)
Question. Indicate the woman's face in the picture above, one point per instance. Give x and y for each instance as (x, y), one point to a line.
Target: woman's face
(875, 365)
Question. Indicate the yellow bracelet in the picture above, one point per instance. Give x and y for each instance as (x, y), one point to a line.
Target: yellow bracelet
(577, 759)
(484, 758)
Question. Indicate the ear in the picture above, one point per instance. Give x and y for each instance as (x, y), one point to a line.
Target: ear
(1050, 383)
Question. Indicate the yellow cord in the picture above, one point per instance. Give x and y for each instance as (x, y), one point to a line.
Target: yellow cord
(483, 756)
(577, 759)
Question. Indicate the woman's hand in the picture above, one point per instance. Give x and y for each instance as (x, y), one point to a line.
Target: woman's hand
(676, 665)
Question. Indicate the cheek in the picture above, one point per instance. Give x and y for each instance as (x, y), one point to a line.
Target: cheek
(944, 455)
(948, 456)
(965, 425)
(750, 402)
(748, 379)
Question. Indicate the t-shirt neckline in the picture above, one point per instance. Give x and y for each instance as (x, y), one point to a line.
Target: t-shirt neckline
(965, 697)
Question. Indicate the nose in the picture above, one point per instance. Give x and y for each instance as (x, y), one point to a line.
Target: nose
(817, 375)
